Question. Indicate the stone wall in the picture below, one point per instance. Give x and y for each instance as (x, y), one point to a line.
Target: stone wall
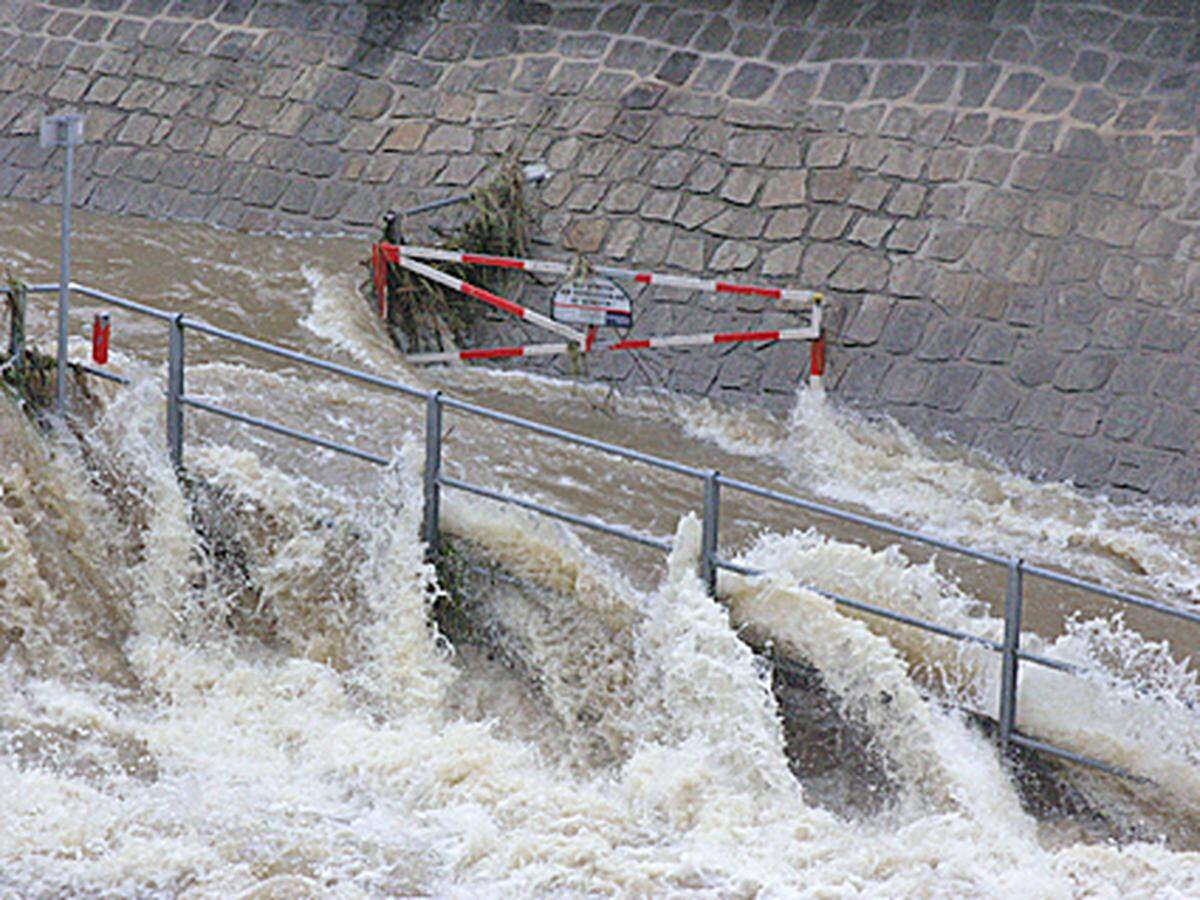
(999, 196)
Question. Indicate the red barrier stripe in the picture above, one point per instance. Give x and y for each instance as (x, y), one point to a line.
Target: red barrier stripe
(643, 278)
(488, 297)
(630, 345)
(749, 289)
(502, 262)
(735, 336)
(818, 356)
(495, 353)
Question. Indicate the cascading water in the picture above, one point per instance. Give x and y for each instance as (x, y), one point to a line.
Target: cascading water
(236, 684)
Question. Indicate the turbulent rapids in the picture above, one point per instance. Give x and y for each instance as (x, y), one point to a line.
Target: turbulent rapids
(251, 682)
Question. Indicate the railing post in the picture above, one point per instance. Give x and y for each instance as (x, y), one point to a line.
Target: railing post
(16, 338)
(709, 533)
(175, 365)
(433, 470)
(1009, 650)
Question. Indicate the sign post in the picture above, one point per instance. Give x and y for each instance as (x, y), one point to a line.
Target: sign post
(63, 131)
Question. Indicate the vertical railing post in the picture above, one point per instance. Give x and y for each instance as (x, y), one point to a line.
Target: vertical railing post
(433, 470)
(1009, 654)
(710, 530)
(175, 363)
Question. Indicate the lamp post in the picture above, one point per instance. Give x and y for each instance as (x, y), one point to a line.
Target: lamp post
(63, 131)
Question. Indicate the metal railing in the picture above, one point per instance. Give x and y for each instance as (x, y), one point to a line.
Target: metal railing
(710, 563)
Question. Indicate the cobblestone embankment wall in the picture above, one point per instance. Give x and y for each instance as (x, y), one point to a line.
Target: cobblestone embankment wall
(1000, 196)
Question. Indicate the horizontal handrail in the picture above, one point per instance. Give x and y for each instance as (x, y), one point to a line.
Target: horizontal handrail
(903, 618)
(1101, 590)
(855, 518)
(122, 303)
(197, 403)
(582, 521)
(572, 438)
(1041, 746)
(303, 358)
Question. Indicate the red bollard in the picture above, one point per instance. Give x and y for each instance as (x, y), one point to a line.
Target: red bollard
(101, 332)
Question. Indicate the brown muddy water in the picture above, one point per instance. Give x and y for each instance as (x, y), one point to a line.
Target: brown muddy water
(308, 733)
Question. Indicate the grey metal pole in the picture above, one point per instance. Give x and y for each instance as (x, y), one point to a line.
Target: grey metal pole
(1009, 658)
(433, 470)
(175, 364)
(64, 275)
(709, 535)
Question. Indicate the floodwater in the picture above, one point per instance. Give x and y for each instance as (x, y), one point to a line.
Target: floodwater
(281, 719)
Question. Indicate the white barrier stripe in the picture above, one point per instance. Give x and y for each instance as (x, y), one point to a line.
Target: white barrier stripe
(671, 340)
(495, 353)
(547, 267)
(465, 287)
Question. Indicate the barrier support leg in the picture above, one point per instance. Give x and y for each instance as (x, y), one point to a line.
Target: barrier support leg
(433, 471)
(709, 534)
(1009, 658)
(175, 392)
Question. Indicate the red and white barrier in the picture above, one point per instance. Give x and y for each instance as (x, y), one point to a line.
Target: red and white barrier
(407, 256)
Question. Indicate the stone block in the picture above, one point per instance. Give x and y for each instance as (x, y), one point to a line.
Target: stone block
(787, 224)
(870, 231)
(449, 139)
(990, 166)
(796, 88)
(625, 197)
(1174, 429)
(672, 169)
(950, 386)
(829, 185)
(826, 152)
(1049, 218)
(830, 223)
(904, 161)
(995, 399)
(788, 189)
(1038, 366)
(782, 261)
(677, 68)
(861, 271)
(896, 80)
(737, 223)
(908, 236)
(752, 80)
(911, 278)
(947, 164)
(820, 261)
(869, 193)
(1085, 372)
(904, 328)
(1017, 90)
(733, 256)
(951, 241)
(696, 211)
(939, 84)
(622, 239)
(741, 186)
(845, 82)
(586, 235)
(946, 340)
(902, 122)
(864, 377)
(992, 344)
(906, 383)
